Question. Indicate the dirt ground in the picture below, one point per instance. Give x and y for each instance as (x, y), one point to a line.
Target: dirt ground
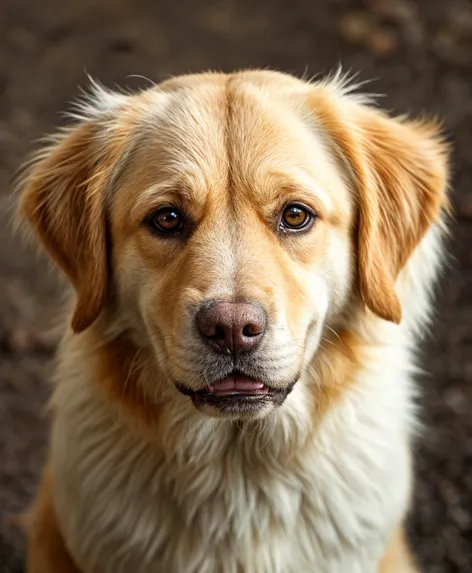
(420, 55)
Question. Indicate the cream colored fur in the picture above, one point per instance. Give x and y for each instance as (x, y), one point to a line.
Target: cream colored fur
(287, 494)
(301, 489)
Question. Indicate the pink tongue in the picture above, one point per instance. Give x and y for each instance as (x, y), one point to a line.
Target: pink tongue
(237, 384)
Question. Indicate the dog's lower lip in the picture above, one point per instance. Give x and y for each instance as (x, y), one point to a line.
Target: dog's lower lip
(236, 390)
(237, 384)
(236, 394)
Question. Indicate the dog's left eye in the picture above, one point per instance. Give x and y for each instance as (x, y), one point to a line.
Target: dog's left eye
(296, 217)
(166, 221)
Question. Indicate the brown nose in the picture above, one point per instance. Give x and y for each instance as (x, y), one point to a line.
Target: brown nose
(232, 327)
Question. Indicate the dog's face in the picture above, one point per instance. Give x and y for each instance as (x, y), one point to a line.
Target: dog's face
(226, 221)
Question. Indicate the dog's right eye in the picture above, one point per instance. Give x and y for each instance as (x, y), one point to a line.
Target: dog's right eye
(166, 221)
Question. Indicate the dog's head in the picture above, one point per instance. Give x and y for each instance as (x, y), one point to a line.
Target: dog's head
(224, 221)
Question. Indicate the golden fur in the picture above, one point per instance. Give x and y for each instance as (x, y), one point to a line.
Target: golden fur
(345, 302)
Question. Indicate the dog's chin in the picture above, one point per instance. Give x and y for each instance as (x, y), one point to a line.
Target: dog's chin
(237, 397)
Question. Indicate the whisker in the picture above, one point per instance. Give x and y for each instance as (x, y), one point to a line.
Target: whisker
(335, 333)
(269, 437)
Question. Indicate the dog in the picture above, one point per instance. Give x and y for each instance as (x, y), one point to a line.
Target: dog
(252, 258)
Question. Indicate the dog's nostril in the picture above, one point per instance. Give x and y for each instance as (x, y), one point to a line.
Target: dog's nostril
(252, 330)
(219, 333)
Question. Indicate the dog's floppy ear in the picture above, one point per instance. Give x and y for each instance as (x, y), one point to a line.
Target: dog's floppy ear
(402, 190)
(399, 169)
(63, 199)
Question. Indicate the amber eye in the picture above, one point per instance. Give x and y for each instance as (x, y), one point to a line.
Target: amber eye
(166, 221)
(295, 218)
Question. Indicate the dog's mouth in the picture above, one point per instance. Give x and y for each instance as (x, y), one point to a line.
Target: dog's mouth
(238, 385)
(236, 394)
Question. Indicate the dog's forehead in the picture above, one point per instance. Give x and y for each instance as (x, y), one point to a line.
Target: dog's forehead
(234, 121)
(230, 137)
(215, 126)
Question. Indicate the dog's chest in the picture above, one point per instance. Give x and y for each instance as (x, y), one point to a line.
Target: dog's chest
(243, 507)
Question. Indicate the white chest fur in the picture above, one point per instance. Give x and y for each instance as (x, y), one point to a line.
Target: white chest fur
(284, 495)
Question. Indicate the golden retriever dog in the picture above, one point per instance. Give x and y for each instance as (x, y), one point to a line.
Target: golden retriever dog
(252, 258)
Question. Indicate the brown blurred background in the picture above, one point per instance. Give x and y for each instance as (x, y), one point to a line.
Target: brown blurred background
(420, 55)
